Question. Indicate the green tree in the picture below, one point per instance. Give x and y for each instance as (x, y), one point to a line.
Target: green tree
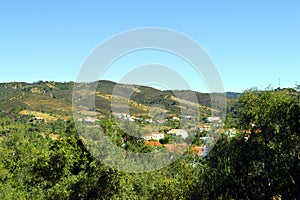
(262, 161)
(273, 118)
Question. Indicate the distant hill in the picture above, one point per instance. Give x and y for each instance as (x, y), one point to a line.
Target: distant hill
(55, 98)
(50, 97)
(233, 95)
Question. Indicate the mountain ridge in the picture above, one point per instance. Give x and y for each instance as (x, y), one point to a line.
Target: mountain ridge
(56, 97)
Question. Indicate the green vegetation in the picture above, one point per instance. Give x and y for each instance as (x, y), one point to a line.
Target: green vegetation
(43, 159)
(56, 98)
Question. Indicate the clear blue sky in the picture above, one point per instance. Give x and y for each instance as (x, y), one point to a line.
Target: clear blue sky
(252, 43)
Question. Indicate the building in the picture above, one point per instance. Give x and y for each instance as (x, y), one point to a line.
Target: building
(212, 119)
(188, 117)
(153, 143)
(148, 120)
(90, 119)
(176, 118)
(197, 150)
(203, 128)
(124, 116)
(178, 132)
(154, 136)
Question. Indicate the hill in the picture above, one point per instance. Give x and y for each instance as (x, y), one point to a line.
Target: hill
(55, 98)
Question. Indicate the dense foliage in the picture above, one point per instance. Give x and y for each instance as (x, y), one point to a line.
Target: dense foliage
(41, 160)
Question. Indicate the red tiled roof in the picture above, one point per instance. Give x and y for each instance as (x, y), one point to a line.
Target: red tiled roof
(257, 131)
(171, 115)
(198, 150)
(153, 143)
(179, 147)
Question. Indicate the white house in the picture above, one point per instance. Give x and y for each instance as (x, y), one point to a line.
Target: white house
(149, 120)
(187, 117)
(203, 128)
(154, 136)
(178, 132)
(176, 118)
(212, 119)
(125, 116)
(132, 118)
(90, 119)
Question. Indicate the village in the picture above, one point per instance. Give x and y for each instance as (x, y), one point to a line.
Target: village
(176, 137)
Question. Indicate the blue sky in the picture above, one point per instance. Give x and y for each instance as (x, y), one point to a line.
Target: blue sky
(252, 43)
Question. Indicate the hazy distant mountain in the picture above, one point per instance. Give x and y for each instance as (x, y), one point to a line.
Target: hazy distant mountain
(233, 95)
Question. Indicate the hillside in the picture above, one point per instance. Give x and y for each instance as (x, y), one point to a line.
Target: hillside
(55, 98)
